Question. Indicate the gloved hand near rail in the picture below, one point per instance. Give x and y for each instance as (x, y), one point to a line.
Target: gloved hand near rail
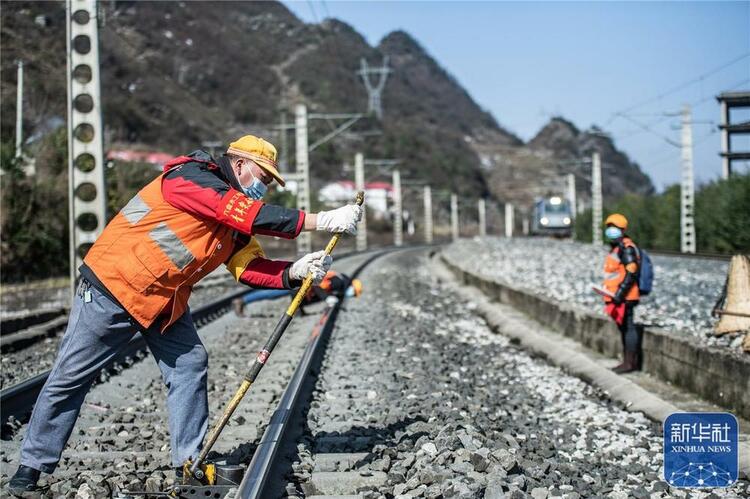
(342, 219)
(317, 263)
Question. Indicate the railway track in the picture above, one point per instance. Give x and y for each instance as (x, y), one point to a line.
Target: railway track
(701, 256)
(102, 428)
(29, 341)
(401, 392)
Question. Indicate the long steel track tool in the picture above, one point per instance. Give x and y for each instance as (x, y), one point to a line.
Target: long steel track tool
(203, 473)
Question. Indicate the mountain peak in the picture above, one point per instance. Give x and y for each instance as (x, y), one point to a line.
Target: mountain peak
(559, 135)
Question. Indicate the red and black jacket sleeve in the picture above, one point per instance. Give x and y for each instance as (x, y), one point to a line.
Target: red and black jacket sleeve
(263, 273)
(198, 189)
(250, 266)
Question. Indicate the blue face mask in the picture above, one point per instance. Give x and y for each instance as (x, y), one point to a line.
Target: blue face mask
(256, 190)
(613, 233)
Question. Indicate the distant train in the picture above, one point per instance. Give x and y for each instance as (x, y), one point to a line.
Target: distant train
(552, 217)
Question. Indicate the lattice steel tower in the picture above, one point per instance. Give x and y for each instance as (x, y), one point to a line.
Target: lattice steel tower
(374, 91)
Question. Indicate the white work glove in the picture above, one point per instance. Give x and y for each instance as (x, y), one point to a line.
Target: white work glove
(317, 263)
(342, 219)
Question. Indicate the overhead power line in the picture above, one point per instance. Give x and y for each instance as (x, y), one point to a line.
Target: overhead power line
(679, 87)
(664, 115)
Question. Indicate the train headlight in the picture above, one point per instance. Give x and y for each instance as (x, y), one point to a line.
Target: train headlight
(566, 221)
(544, 221)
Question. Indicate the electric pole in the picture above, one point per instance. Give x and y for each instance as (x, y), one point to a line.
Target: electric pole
(509, 220)
(284, 160)
(454, 217)
(482, 217)
(596, 200)
(572, 195)
(359, 185)
(374, 91)
(87, 194)
(304, 240)
(398, 221)
(19, 110)
(427, 214)
(687, 191)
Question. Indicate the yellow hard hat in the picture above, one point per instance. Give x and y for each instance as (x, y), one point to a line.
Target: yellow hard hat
(262, 152)
(617, 220)
(357, 285)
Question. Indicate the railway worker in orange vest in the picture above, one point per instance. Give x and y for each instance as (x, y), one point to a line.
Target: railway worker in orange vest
(621, 268)
(198, 214)
(333, 286)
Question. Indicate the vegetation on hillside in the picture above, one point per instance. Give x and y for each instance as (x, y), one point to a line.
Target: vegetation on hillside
(722, 217)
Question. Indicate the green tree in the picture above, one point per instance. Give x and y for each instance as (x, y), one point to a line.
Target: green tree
(34, 236)
(722, 217)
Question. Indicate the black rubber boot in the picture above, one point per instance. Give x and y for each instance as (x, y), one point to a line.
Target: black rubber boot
(630, 364)
(23, 481)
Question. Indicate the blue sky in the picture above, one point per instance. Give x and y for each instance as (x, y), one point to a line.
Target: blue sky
(586, 61)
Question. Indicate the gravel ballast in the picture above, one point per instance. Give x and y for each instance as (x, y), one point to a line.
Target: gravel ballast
(685, 289)
(446, 408)
(39, 357)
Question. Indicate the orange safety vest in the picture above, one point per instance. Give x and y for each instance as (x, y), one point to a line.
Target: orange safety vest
(151, 254)
(614, 273)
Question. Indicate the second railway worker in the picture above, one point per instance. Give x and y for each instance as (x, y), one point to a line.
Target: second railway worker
(621, 268)
(198, 214)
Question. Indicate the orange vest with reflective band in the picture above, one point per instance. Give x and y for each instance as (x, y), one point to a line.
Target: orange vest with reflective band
(614, 273)
(151, 254)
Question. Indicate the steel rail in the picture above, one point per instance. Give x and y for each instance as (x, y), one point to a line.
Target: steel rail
(254, 482)
(701, 256)
(17, 401)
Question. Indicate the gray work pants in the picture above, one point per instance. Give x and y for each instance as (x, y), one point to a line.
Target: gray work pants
(97, 330)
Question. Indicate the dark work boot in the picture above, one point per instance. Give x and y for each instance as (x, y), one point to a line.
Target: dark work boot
(630, 364)
(621, 365)
(23, 481)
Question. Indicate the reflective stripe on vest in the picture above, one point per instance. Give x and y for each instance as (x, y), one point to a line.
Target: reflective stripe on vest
(172, 246)
(162, 235)
(135, 210)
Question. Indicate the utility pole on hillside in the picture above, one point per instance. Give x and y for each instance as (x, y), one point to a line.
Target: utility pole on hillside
(687, 187)
(374, 90)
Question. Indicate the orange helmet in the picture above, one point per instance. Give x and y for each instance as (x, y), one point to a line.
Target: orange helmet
(617, 220)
